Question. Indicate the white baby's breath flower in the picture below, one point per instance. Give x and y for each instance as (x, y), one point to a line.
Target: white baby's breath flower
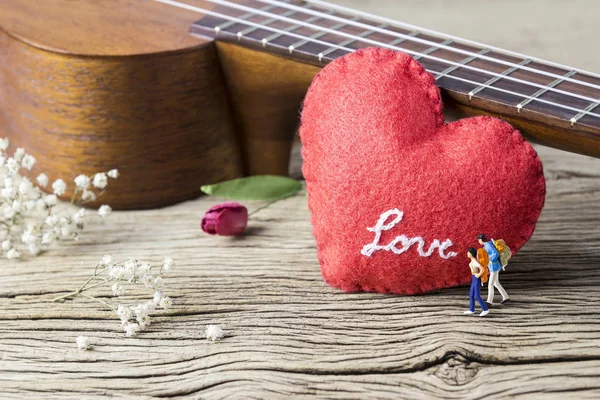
(25, 186)
(23, 204)
(113, 173)
(42, 180)
(41, 205)
(51, 220)
(106, 260)
(131, 329)
(83, 343)
(214, 332)
(104, 210)
(12, 253)
(100, 180)
(124, 313)
(79, 215)
(50, 200)
(8, 213)
(34, 249)
(88, 195)
(117, 289)
(48, 238)
(12, 166)
(28, 161)
(166, 302)
(19, 154)
(8, 193)
(65, 230)
(158, 283)
(137, 317)
(82, 182)
(158, 296)
(59, 187)
(6, 245)
(168, 263)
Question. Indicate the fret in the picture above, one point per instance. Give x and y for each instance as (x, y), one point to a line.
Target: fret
(542, 91)
(348, 42)
(246, 16)
(433, 48)
(317, 35)
(465, 61)
(401, 40)
(587, 110)
(495, 79)
(291, 28)
(265, 22)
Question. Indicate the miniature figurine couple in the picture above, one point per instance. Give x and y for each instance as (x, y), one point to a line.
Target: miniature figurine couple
(489, 255)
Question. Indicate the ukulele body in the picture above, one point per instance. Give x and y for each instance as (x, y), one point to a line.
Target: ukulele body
(88, 85)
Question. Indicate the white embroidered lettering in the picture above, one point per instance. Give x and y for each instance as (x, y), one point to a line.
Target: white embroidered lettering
(405, 241)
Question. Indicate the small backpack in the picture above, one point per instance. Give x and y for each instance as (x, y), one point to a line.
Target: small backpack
(504, 251)
(483, 258)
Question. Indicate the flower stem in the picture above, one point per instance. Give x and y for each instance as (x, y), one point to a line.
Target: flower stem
(100, 301)
(263, 207)
(82, 288)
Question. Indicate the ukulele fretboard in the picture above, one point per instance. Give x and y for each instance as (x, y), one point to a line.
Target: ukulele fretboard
(470, 73)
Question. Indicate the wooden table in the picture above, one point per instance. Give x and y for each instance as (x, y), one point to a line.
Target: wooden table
(289, 334)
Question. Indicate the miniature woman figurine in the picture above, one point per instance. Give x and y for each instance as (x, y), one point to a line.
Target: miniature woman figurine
(477, 270)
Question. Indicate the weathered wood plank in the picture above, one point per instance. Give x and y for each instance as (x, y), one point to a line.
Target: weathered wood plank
(289, 333)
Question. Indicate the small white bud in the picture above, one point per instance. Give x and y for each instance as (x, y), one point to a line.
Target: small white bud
(214, 332)
(59, 187)
(19, 154)
(12, 253)
(100, 180)
(28, 161)
(50, 200)
(82, 182)
(83, 343)
(104, 210)
(42, 180)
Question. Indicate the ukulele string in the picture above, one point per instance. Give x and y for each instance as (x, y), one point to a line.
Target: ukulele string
(420, 40)
(311, 26)
(409, 27)
(332, 45)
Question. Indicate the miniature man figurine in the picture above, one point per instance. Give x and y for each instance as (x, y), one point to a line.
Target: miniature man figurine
(477, 270)
(495, 265)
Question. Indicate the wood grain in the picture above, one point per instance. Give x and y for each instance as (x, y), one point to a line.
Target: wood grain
(289, 334)
(164, 119)
(266, 92)
(99, 28)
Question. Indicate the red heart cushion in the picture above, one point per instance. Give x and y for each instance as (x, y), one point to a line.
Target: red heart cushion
(397, 195)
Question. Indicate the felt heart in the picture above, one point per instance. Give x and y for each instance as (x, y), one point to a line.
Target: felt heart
(396, 194)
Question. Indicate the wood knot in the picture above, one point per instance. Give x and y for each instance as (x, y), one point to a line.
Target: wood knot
(456, 370)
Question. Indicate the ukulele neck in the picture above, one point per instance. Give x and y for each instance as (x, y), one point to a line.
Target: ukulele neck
(554, 104)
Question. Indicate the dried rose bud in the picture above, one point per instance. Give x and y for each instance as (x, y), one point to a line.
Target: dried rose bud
(225, 219)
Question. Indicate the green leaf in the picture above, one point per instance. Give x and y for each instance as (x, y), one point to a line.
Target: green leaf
(259, 187)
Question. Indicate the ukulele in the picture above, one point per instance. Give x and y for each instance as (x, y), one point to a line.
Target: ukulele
(181, 93)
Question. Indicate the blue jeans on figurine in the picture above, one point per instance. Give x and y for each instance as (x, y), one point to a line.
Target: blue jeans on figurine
(476, 294)
(477, 270)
